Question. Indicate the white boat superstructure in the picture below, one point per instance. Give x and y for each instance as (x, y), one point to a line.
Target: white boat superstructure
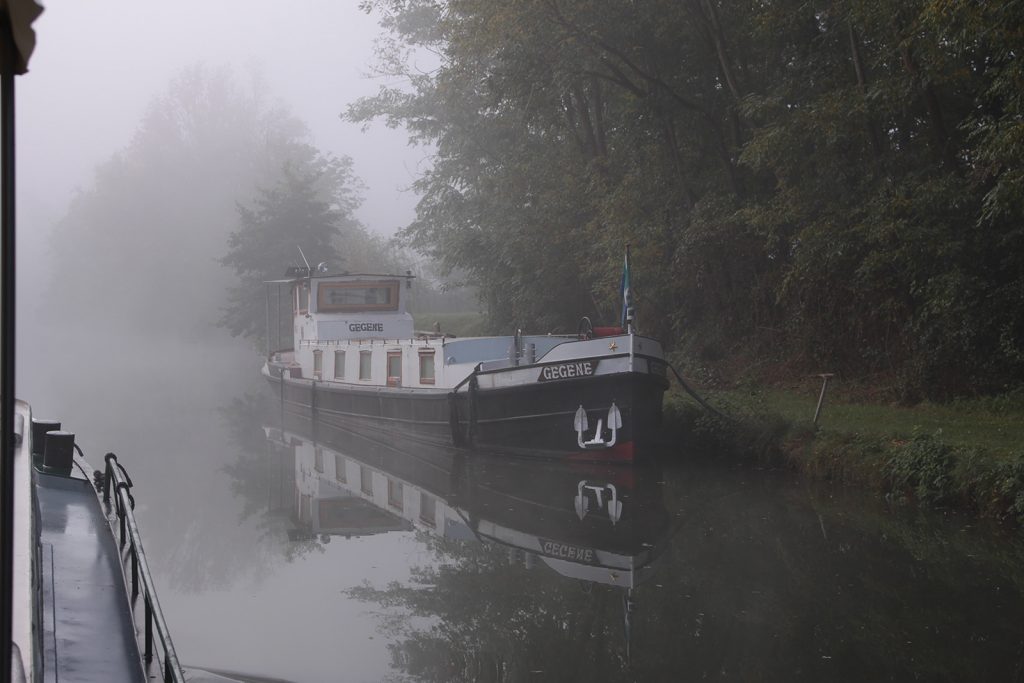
(356, 330)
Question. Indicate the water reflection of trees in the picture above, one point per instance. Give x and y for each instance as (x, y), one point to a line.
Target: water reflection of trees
(494, 620)
(236, 525)
(761, 581)
(757, 584)
(262, 477)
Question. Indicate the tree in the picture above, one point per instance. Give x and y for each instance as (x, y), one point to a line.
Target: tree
(807, 184)
(309, 208)
(137, 250)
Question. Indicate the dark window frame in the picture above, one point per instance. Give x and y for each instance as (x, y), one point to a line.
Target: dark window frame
(393, 380)
(368, 366)
(318, 364)
(428, 353)
(323, 306)
(432, 519)
(396, 494)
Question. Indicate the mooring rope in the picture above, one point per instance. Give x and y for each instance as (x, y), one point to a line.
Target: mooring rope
(697, 397)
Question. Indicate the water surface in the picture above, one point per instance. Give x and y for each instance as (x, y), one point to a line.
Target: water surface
(330, 556)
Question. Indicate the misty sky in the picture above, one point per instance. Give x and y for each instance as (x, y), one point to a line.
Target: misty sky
(98, 64)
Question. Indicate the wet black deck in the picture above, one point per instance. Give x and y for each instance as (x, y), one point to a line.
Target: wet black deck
(88, 632)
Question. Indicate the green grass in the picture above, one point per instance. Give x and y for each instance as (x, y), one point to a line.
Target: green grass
(967, 454)
(993, 424)
(464, 324)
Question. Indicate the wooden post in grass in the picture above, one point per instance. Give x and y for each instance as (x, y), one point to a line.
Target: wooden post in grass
(825, 376)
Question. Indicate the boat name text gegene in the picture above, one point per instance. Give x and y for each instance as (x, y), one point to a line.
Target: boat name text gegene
(366, 327)
(583, 368)
(566, 551)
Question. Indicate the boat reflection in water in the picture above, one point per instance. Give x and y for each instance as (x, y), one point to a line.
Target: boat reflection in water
(596, 525)
(511, 569)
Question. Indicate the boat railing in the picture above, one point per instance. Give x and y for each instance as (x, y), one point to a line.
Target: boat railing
(117, 484)
(370, 341)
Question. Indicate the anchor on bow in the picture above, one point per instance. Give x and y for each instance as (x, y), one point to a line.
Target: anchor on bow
(581, 424)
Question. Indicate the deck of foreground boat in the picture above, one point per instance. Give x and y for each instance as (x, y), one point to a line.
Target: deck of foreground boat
(88, 633)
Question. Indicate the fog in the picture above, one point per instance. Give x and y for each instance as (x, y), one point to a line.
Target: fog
(124, 210)
(163, 151)
(97, 69)
(97, 65)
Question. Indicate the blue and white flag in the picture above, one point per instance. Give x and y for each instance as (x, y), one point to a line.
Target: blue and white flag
(627, 297)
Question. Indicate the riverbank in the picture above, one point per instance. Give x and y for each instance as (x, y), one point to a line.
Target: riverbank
(968, 454)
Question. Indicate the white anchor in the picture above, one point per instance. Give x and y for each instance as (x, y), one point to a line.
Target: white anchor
(581, 424)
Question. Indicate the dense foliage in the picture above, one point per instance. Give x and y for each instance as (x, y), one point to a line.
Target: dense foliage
(138, 248)
(833, 185)
(309, 208)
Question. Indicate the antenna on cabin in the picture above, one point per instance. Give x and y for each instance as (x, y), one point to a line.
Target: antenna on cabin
(303, 258)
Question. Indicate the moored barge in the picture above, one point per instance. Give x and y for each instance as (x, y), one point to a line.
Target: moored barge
(357, 363)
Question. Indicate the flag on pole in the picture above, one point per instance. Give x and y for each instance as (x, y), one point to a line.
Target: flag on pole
(627, 297)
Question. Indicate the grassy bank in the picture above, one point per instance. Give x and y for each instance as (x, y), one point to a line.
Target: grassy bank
(967, 454)
(995, 423)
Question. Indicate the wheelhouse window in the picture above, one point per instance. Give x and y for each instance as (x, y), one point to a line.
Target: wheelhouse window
(318, 460)
(366, 480)
(349, 297)
(426, 366)
(318, 364)
(339, 365)
(339, 469)
(364, 364)
(394, 368)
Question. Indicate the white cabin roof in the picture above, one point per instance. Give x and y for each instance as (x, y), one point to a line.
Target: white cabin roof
(351, 306)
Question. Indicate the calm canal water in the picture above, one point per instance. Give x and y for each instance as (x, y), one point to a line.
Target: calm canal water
(330, 557)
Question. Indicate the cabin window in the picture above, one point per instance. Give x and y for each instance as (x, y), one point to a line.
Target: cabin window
(339, 469)
(428, 509)
(366, 480)
(318, 460)
(348, 297)
(427, 366)
(318, 364)
(394, 368)
(339, 365)
(395, 493)
(364, 364)
(302, 298)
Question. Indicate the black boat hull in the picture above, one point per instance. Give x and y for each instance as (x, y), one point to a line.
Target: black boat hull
(527, 419)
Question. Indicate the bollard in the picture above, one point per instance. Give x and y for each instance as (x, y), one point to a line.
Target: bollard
(39, 430)
(59, 451)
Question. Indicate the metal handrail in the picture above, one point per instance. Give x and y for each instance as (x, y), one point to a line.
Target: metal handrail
(115, 478)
